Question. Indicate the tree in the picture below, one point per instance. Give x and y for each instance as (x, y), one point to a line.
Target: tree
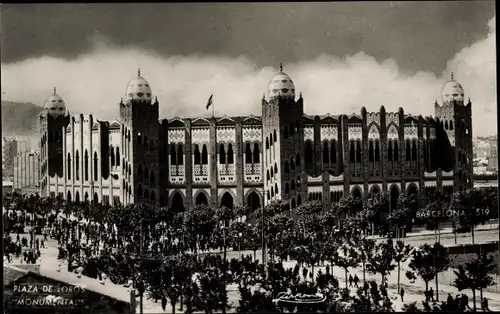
(365, 247)
(474, 207)
(427, 262)
(475, 275)
(381, 261)
(349, 259)
(435, 212)
(401, 254)
(376, 210)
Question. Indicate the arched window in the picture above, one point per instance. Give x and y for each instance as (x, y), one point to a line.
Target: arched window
(287, 188)
(139, 139)
(248, 154)
(86, 164)
(396, 151)
(146, 174)
(272, 172)
(390, 154)
(333, 152)
(326, 153)
(358, 151)
(139, 172)
(371, 153)
(256, 153)
(118, 156)
(309, 153)
(197, 155)
(268, 176)
(272, 192)
(352, 153)
(230, 154)
(408, 151)
(112, 156)
(377, 151)
(267, 142)
(204, 155)
(276, 190)
(271, 141)
(299, 200)
(285, 132)
(152, 196)
(274, 134)
(146, 194)
(268, 195)
(292, 164)
(446, 125)
(129, 171)
(69, 167)
(95, 167)
(292, 185)
(292, 129)
(139, 191)
(180, 155)
(152, 181)
(222, 154)
(173, 155)
(275, 168)
(201, 199)
(451, 125)
(297, 160)
(293, 204)
(287, 170)
(414, 151)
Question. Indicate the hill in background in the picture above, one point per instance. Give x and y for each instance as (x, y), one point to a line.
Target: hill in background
(19, 119)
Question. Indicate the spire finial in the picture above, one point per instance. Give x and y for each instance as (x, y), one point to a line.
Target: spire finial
(121, 100)
(156, 98)
(54, 90)
(263, 95)
(138, 71)
(300, 95)
(452, 76)
(281, 67)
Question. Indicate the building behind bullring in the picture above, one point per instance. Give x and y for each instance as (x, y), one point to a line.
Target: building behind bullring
(253, 160)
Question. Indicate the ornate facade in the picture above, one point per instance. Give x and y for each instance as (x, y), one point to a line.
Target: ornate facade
(284, 154)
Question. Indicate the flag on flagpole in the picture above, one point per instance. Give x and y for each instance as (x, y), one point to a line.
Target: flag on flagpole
(209, 102)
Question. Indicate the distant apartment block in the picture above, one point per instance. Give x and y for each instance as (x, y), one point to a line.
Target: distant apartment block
(9, 151)
(27, 170)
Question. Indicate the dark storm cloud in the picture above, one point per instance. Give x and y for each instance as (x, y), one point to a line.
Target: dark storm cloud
(418, 35)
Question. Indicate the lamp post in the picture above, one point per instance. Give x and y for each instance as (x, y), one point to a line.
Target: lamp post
(239, 243)
(224, 268)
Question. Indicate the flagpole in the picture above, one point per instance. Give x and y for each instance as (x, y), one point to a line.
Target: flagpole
(213, 110)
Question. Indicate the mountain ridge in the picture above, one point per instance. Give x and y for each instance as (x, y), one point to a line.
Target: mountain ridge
(19, 118)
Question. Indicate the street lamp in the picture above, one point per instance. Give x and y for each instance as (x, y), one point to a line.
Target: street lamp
(239, 243)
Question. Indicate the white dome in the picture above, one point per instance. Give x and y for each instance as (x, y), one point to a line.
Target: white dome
(452, 90)
(55, 104)
(281, 85)
(138, 89)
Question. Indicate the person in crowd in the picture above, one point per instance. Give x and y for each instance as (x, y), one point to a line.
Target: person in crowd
(402, 294)
(356, 280)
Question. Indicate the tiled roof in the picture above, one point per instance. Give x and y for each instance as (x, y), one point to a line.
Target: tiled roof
(11, 274)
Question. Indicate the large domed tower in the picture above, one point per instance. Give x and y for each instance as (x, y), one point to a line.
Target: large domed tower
(455, 119)
(52, 120)
(139, 117)
(283, 141)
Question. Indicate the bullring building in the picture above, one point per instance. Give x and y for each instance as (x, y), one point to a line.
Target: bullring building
(281, 154)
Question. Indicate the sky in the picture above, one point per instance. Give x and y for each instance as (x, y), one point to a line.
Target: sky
(341, 55)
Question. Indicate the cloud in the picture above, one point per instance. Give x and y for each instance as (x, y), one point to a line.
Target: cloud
(95, 82)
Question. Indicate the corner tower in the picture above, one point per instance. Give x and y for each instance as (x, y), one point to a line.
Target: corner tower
(282, 141)
(139, 139)
(51, 122)
(456, 122)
